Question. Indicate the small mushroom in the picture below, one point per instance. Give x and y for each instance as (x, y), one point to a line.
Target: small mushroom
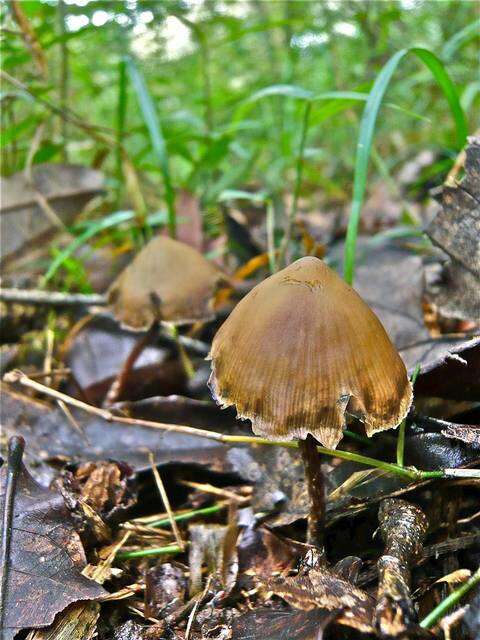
(296, 353)
(168, 281)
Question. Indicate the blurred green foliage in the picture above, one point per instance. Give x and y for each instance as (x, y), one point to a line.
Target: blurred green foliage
(171, 91)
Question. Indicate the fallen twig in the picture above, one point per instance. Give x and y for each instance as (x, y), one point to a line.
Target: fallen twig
(410, 473)
(52, 298)
(403, 527)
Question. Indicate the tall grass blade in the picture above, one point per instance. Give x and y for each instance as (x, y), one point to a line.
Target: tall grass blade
(367, 130)
(156, 138)
(121, 119)
(459, 39)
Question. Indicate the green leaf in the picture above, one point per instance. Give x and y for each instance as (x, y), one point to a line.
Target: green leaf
(15, 131)
(367, 130)
(156, 138)
(287, 90)
(459, 39)
(92, 229)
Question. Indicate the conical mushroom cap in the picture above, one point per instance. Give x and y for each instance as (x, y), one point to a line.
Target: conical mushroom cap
(299, 348)
(167, 281)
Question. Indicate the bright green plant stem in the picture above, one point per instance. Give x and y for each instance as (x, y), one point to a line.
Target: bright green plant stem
(401, 428)
(409, 473)
(145, 553)
(189, 515)
(367, 130)
(17, 376)
(441, 609)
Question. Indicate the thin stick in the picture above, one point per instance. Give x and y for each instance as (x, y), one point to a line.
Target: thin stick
(166, 502)
(191, 617)
(52, 298)
(16, 446)
(208, 488)
(117, 387)
(411, 473)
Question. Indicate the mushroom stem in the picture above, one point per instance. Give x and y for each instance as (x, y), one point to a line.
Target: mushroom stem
(316, 491)
(118, 385)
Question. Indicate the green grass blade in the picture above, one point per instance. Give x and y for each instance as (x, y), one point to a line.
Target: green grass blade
(121, 118)
(156, 138)
(444, 81)
(367, 130)
(92, 228)
(287, 90)
(364, 144)
(95, 227)
(459, 39)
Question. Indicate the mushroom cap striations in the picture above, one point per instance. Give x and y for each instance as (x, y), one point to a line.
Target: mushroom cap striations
(167, 281)
(299, 348)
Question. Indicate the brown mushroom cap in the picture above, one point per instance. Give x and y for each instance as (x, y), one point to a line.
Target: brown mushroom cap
(299, 348)
(167, 281)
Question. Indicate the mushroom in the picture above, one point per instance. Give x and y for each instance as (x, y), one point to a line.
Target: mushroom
(168, 281)
(300, 350)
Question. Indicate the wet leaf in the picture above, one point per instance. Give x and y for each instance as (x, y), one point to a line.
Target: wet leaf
(321, 588)
(464, 432)
(46, 557)
(391, 281)
(97, 351)
(278, 475)
(268, 624)
(452, 371)
(53, 439)
(432, 451)
(262, 554)
(25, 222)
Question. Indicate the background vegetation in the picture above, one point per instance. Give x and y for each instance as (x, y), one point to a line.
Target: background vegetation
(213, 96)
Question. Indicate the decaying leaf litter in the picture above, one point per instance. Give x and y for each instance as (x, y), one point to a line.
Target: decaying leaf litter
(133, 507)
(239, 565)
